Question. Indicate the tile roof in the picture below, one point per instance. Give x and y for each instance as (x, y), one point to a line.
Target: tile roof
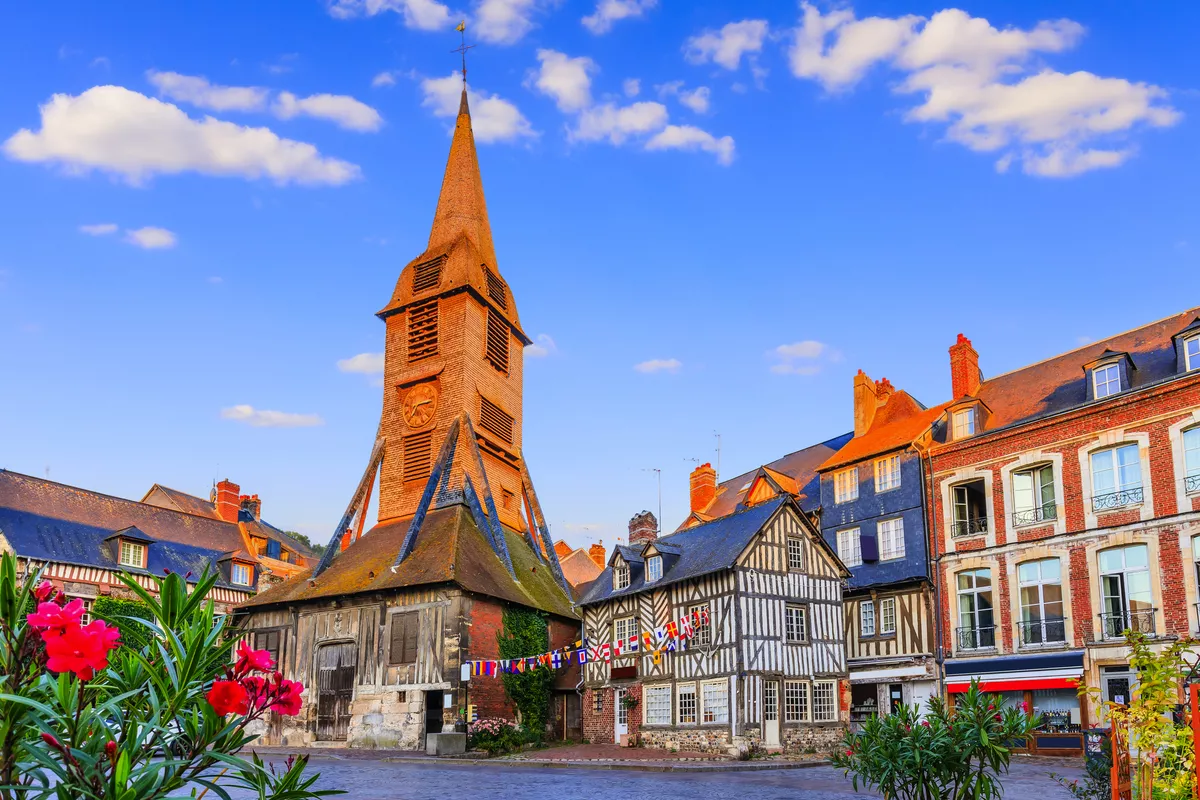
(579, 568)
(899, 422)
(187, 503)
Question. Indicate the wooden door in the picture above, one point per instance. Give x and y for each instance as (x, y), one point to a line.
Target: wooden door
(620, 716)
(335, 689)
(770, 714)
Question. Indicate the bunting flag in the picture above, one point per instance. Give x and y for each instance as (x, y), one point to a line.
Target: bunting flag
(632, 647)
(582, 655)
(686, 630)
(672, 630)
(618, 648)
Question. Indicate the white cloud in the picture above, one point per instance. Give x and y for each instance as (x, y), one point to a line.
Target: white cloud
(807, 357)
(384, 78)
(727, 46)
(342, 110)
(697, 99)
(689, 137)
(543, 346)
(425, 15)
(567, 80)
(617, 123)
(983, 85)
(631, 86)
(124, 133)
(493, 119)
(504, 21)
(671, 365)
(151, 238)
(101, 229)
(365, 363)
(197, 91)
(261, 418)
(609, 12)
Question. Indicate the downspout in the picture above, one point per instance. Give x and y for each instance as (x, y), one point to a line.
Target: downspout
(934, 559)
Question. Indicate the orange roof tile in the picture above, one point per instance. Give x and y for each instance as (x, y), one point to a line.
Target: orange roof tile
(897, 424)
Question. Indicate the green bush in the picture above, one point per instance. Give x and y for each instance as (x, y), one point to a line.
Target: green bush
(526, 633)
(125, 615)
(495, 736)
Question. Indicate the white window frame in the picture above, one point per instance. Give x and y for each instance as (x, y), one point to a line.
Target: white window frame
(974, 592)
(1111, 374)
(237, 569)
(845, 485)
(1191, 453)
(799, 692)
(620, 578)
(651, 702)
(1040, 582)
(795, 623)
(1191, 360)
(887, 473)
(718, 707)
(1118, 486)
(687, 690)
(654, 569)
(849, 541)
(1037, 484)
(134, 547)
(795, 553)
(887, 616)
(866, 618)
(962, 423)
(703, 635)
(623, 628)
(890, 533)
(821, 713)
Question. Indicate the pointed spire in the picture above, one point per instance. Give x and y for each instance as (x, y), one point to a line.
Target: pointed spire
(461, 207)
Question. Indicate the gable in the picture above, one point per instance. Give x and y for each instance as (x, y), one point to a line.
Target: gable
(768, 551)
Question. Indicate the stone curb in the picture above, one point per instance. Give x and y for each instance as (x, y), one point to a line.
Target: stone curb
(611, 764)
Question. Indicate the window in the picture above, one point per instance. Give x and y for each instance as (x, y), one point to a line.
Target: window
(422, 331)
(963, 423)
(620, 578)
(845, 485)
(87, 610)
(132, 554)
(795, 545)
(1191, 459)
(1116, 477)
(240, 574)
(795, 701)
(1191, 353)
(796, 623)
(976, 620)
(1041, 602)
(866, 618)
(687, 704)
(825, 707)
(274, 548)
(653, 568)
(849, 547)
(715, 697)
(495, 420)
(658, 705)
(887, 473)
(269, 641)
(1125, 585)
(703, 636)
(496, 351)
(624, 628)
(1106, 380)
(891, 539)
(402, 649)
(887, 616)
(598, 702)
(418, 451)
(1033, 495)
(970, 509)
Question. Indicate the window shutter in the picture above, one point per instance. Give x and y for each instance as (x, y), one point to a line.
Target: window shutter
(403, 646)
(869, 546)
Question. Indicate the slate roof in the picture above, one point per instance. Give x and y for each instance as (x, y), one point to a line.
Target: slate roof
(899, 422)
(51, 521)
(703, 549)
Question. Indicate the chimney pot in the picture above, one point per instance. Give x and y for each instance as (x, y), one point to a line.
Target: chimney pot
(703, 484)
(251, 505)
(643, 528)
(227, 500)
(965, 377)
(866, 401)
(596, 553)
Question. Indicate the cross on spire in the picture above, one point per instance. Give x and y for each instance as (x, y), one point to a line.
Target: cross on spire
(463, 48)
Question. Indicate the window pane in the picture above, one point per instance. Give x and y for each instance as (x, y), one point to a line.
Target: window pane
(1103, 480)
(1196, 548)
(1191, 447)
(1029, 572)
(966, 580)
(1051, 570)
(1136, 556)
(983, 579)
(1023, 490)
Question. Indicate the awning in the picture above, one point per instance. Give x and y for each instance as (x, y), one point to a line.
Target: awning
(893, 673)
(1017, 685)
(1016, 673)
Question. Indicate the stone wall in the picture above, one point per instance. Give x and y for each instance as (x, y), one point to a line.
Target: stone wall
(823, 739)
(695, 740)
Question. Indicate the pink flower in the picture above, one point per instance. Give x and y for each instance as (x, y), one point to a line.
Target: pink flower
(257, 689)
(110, 750)
(925, 722)
(79, 650)
(51, 616)
(288, 703)
(43, 591)
(228, 697)
(248, 660)
(1025, 706)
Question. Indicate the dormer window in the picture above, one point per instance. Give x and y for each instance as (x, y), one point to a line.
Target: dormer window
(1106, 380)
(239, 574)
(653, 568)
(1191, 353)
(132, 554)
(620, 578)
(963, 423)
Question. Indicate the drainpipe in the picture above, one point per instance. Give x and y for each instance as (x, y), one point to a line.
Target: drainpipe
(934, 563)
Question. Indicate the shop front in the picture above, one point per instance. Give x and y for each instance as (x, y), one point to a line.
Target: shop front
(1045, 686)
(881, 690)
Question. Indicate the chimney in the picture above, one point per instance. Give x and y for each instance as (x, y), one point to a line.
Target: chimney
(964, 369)
(642, 528)
(596, 553)
(251, 505)
(866, 401)
(883, 390)
(227, 500)
(703, 483)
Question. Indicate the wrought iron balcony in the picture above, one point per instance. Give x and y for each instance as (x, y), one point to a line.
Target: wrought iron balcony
(977, 638)
(1046, 513)
(1140, 621)
(1192, 483)
(1043, 632)
(1125, 497)
(969, 527)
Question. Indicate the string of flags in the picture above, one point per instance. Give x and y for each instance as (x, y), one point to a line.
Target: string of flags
(672, 636)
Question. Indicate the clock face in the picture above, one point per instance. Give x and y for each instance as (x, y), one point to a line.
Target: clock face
(419, 405)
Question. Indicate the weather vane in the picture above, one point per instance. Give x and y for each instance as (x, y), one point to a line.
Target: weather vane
(463, 48)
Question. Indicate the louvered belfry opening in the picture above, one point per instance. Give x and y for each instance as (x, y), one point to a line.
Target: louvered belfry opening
(418, 455)
(422, 331)
(495, 288)
(427, 274)
(497, 341)
(495, 420)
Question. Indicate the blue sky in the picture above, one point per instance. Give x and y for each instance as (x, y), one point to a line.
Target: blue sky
(751, 200)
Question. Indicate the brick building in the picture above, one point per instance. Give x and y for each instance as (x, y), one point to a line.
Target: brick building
(379, 631)
(1066, 510)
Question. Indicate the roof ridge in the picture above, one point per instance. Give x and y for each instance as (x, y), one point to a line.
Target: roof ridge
(778, 499)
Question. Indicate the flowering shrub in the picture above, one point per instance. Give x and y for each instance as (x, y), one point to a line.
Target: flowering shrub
(495, 736)
(83, 719)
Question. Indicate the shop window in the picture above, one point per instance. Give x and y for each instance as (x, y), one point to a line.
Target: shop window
(1041, 603)
(1116, 477)
(825, 701)
(658, 705)
(976, 620)
(1127, 599)
(687, 703)
(715, 697)
(795, 701)
(1033, 495)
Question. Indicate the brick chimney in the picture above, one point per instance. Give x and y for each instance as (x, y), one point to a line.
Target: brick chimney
(596, 553)
(642, 528)
(883, 390)
(703, 483)
(251, 505)
(964, 368)
(227, 500)
(866, 401)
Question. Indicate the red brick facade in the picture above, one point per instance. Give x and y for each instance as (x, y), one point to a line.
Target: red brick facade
(599, 709)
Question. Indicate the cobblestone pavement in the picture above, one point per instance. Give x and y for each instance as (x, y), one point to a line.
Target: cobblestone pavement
(367, 779)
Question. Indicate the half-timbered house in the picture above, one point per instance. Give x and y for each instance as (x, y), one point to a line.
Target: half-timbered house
(768, 668)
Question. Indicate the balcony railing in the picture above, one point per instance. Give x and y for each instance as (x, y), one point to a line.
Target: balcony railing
(1192, 483)
(1046, 513)
(1140, 621)
(1043, 632)
(969, 527)
(976, 638)
(1125, 497)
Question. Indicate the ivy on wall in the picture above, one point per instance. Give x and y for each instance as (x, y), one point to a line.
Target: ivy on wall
(525, 632)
